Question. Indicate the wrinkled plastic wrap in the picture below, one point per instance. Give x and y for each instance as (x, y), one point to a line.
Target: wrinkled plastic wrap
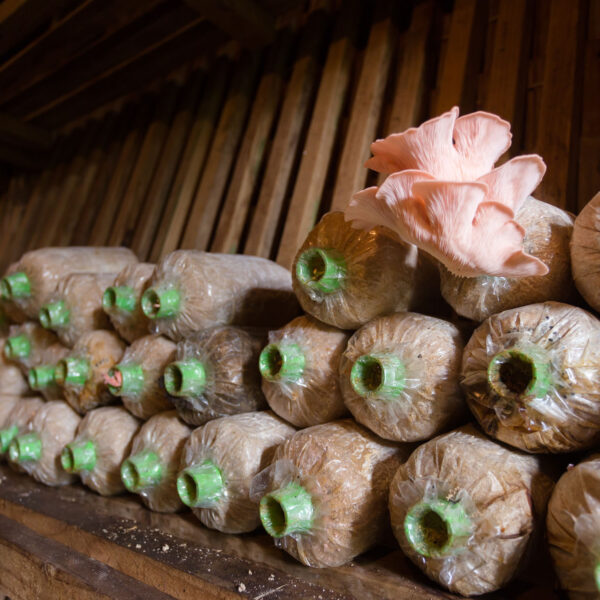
(548, 235)
(27, 344)
(40, 271)
(102, 443)
(585, 252)
(137, 377)
(346, 277)
(15, 422)
(121, 301)
(191, 290)
(216, 374)
(12, 382)
(400, 377)
(218, 463)
(573, 525)
(39, 449)
(151, 468)
(82, 373)
(324, 496)
(76, 306)
(466, 510)
(7, 403)
(530, 376)
(42, 376)
(300, 372)
(8, 306)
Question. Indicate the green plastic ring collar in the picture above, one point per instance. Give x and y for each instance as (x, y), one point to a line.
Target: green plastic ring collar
(437, 528)
(321, 270)
(54, 315)
(121, 297)
(72, 371)
(7, 436)
(185, 378)
(286, 511)
(132, 380)
(15, 285)
(141, 471)
(200, 486)
(160, 304)
(282, 362)
(78, 456)
(17, 346)
(41, 377)
(597, 576)
(25, 448)
(378, 375)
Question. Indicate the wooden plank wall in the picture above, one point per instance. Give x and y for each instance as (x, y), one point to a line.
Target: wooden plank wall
(245, 154)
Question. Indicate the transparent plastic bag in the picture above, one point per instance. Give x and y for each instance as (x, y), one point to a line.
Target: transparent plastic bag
(30, 282)
(191, 290)
(573, 525)
(400, 377)
(38, 450)
(12, 312)
(346, 277)
(16, 420)
(530, 376)
(102, 443)
(12, 382)
(151, 468)
(76, 306)
(585, 252)
(81, 374)
(548, 235)
(324, 497)
(216, 374)
(299, 367)
(465, 510)
(42, 376)
(137, 377)
(218, 463)
(26, 344)
(7, 432)
(121, 301)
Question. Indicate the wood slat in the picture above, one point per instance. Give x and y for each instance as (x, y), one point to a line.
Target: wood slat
(308, 190)
(23, 135)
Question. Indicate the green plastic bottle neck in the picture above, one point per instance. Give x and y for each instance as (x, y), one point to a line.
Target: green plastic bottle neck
(141, 471)
(378, 375)
(437, 528)
(41, 377)
(131, 377)
(286, 511)
(78, 456)
(597, 575)
(520, 372)
(17, 346)
(185, 378)
(200, 486)
(282, 362)
(160, 303)
(15, 285)
(121, 297)
(321, 270)
(7, 436)
(25, 448)
(72, 371)
(54, 315)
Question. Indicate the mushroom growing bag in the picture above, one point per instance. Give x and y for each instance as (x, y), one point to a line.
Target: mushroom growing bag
(400, 376)
(42, 376)
(464, 509)
(30, 282)
(216, 374)
(323, 499)
(299, 367)
(191, 290)
(530, 376)
(27, 345)
(12, 382)
(121, 301)
(218, 463)
(16, 421)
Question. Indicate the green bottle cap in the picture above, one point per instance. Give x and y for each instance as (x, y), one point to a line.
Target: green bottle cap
(141, 471)
(185, 378)
(321, 270)
(282, 362)
(287, 510)
(7, 436)
(378, 375)
(41, 377)
(437, 528)
(121, 297)
(26, 447)
(597, 576)
(78, 456)
(520, 372)
(200, 485)
(132, 380)
(158, 304)
(15, 285)
(73, 371)
(18, 346)
(54, 315)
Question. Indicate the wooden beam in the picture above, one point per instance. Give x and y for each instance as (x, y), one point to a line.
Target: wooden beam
(23, 135)
(19, 157)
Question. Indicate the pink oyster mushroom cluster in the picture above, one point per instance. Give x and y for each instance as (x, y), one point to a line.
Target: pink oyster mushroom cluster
(444, 195)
